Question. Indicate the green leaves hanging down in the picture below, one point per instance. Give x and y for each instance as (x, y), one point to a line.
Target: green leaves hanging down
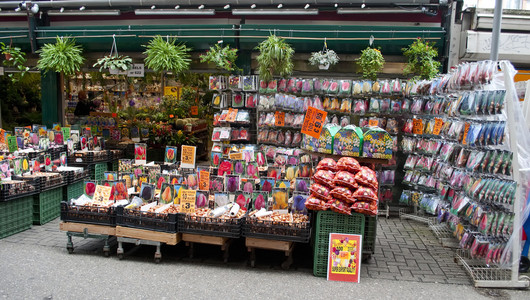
(63, 57)
(121, 62)
(275, 57)
(420, 59)
(14, 57)
(324, 57)
(371, 62)
(222, 57)
(164, 55)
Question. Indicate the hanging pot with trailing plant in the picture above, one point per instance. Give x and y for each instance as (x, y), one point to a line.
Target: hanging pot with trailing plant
(421, 59)
(324, 58)
(275, 57)
(164, 55)
(15, 58)
(223, 57)
(62, 57)
(371, 62)
(114, 62)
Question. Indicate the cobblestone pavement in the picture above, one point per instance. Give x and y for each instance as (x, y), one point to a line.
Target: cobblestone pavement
(405, 251)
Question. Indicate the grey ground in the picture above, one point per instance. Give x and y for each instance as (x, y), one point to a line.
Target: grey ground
(408, 263)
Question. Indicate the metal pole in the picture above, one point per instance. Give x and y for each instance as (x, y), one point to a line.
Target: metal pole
(496, 31)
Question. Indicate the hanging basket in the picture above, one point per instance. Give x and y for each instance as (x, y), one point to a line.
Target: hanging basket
(323, 67)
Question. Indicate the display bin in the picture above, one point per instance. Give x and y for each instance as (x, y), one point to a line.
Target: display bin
(331, 222)
(73, 190)
(97, 171)
(9, 191)
(47, 206)
(210, 226)
(73, 176)
(88, 214)
(49, 183)
(146, 220)
(55, 152)
(16, 215)
(35, 182)
(370, 232)
(88, 157)
(279, 231)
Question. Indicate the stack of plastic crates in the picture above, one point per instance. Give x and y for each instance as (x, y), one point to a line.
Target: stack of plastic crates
(370, 232)
(97, 171)
(330, 222)
(16, 215)
(47, 205)
(74, 190)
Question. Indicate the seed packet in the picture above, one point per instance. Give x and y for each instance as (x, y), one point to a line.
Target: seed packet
(374, 105)
(266, 184)
(217, 184)
(283, 183)
(280, 199)
(259, 200)
(232, 183)
(298, 205)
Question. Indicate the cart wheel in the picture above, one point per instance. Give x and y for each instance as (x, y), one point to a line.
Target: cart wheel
(157, 260)
(524, 277)
(70, 250)
(106, 253)
(120, 256)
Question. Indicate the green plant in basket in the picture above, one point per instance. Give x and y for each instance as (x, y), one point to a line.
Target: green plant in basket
(324, 59)
(275, 57)
(164, 55)
(116, 62)
(371, 62)
(16, 58)
(222, 57)
(63, 57)
(421, 59)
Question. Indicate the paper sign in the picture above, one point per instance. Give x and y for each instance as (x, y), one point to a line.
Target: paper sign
(438, 123)
(373, 122)
(102, 193)
(12, 144)
(66, 133)
(172, 91)
(137, 70)
(187, 157)
(466, 131)
(187, 202)
(313, 122)
(417, 126)
(344, 257)
(194, 110)
(232, 114)
(279, 118)
(2, 136)
(235, 155)
(204, 180)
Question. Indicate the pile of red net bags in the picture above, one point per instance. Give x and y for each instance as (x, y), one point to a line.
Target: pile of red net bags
(343, 186)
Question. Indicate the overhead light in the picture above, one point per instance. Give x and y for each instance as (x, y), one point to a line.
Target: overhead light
(98, 12)
(23, 5)
(153, 7)
(168, 12)
(227, 6)
(336, 5)
(177, 6)
(342, 11)
(363, 5)
(82, 8)
(306, 6)
(62, 9)
(17, 9)
(253, 6)
(275, 12)
(34, 8)
(201, 6)
(280, 5)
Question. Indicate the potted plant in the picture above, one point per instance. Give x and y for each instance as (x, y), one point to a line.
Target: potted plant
(371, 62)
(275, 57)
(164, 55)
(114, 62)
(421, 59)
(222, 57)
(14, 57)
(62, 57)
(324, 59)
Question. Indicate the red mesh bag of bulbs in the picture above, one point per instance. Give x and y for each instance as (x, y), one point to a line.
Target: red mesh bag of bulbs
(346, 179)
(315, 203)
(349, 164)
(341, 207)
(327, 164)
(320, 191)
(365, 207)
(367, 177)
(342, 193)
(365, 194)
(325, 178)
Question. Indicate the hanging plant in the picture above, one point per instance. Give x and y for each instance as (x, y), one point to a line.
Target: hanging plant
(371, 62)
(121, 62)
(163, 55)
(275, 57)
(324, 59)
(14, 57)
(63, 57)
(222, 57)
(421, 59)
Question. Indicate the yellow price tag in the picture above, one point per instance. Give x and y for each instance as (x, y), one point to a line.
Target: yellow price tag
(187, 202)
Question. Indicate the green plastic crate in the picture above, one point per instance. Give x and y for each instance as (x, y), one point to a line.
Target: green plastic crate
(47, 206)
(73, 190)
(331, 222)
(15, 216)
(370, 231)
(97, 171)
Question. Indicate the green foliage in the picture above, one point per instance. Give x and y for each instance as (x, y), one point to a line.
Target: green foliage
(20, 101)
(275, 57)
(163, 55)
(14, 58)
(121, 62)
(323, 58)
(421, 59)
(63, 57)
(371, 62)
(222, 57)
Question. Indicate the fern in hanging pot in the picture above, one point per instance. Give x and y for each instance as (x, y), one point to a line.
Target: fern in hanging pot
(164, 55)
(222, 57)
(421, 59)
(371, 62)
(275, 57)
(62, 57)
(324, 59)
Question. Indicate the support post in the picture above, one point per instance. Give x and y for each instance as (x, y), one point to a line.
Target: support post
(496, 31)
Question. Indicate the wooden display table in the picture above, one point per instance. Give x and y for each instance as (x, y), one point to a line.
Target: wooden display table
(224, 242)
(145, 237)
(85, 231)
(254, 243)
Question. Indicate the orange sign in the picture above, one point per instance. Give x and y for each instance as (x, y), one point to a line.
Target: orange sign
(204, 180)
(438, 123)
(194, 110)
(279, 118)
(235, 155)
(171, 116)
(232, 114)
(417, 126)
(313, 122)
(466, 131)
(187, 202)
(373, 122)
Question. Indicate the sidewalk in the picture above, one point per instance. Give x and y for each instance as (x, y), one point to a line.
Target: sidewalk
(408, 263)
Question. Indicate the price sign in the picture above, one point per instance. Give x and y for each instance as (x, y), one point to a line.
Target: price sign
(466, 131)
(373, 122)
(2, 136)
(204, 180)
(279, 118)
(344, 263)
(232, 114)
(102, 193)
(438, 123)
(12, 144)
(417, 126)
(194, 110)
(137, 70)
(187, 157)
(235, 155)
(187, 202)
(313, 122)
